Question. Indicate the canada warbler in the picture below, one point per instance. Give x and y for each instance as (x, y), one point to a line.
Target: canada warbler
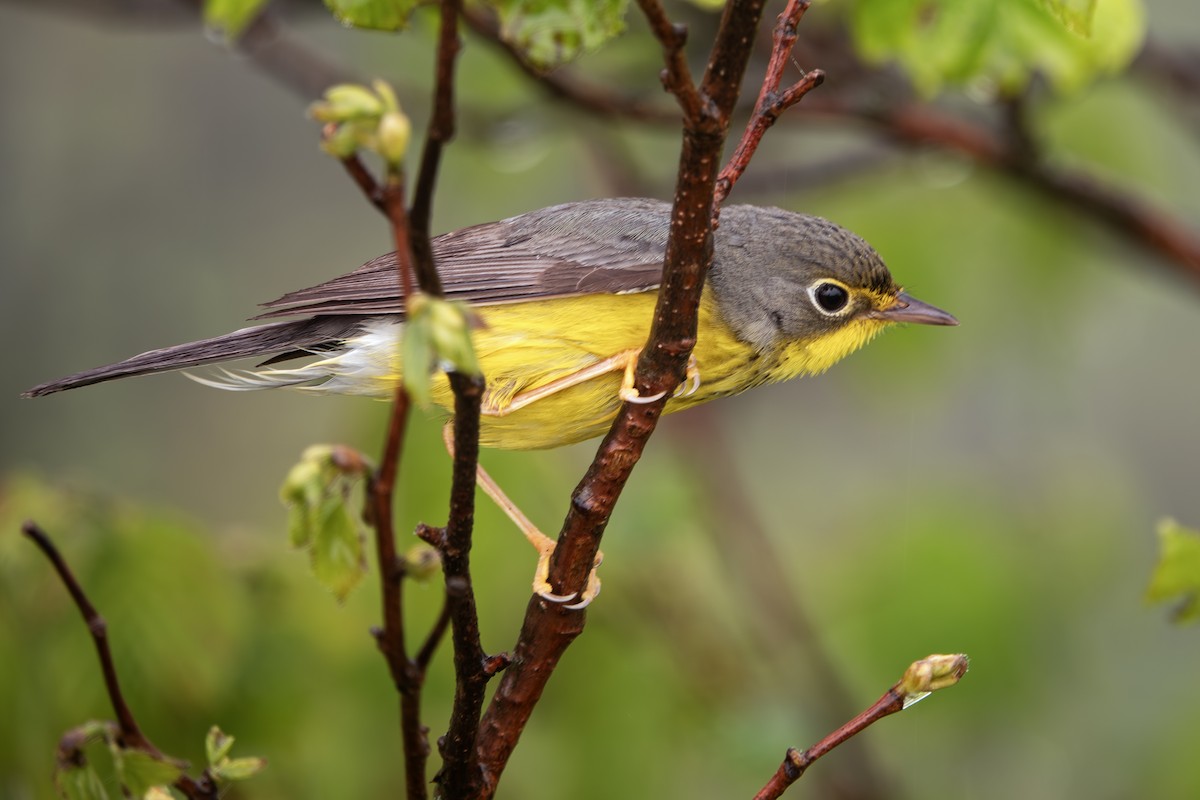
(566, 296)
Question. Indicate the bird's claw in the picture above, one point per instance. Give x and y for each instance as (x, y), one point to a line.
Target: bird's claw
(543, 589)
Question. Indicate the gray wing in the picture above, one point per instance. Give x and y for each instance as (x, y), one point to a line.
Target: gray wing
(580, 248)
(601, 246)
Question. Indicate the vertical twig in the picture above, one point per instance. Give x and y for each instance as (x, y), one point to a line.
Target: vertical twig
(549, 629)
(440, 132)
(415, 264)
(771, 102)
(460, 772)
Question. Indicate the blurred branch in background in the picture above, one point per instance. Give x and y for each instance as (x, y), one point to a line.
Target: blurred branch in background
(1000, 135)
(889, 110)
(128, 745)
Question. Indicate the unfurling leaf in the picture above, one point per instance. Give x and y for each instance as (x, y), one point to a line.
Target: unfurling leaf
(379, 15)
(1000, 44)
(1075, 15)
(1177, 575)
(437, 335)
(364, 118)
(140, 772)
(216, 747)
(551, 32)
(239, 769)
(316, 492)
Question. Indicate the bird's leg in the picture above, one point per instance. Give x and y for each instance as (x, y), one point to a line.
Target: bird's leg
(625, 361)
(540, 541)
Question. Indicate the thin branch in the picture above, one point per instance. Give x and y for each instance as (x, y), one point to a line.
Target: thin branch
(436, 634)
(440, 132)
(406, 676)
(460, 773)
(131, 734)
(269, 45)
(756, 568)
(676, 76)
(771, 102)
(98, 628)
(595, 99)
(1125, 213)
(362, 177)
(921, 678)
(549, 628)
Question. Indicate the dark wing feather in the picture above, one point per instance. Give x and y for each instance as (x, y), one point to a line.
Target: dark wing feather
(318, 332)
(601, 246)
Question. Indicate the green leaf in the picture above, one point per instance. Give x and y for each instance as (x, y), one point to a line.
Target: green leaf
(79, 783)
(316, 492)
(1176, 577)
(216, 745)
(417, 345)
(337, 551)
(551, 32)
(379, 15)
(1000, 44)
(437, 335)
(140, 771)
(231, 17)
(239, 769)
(1075, 15)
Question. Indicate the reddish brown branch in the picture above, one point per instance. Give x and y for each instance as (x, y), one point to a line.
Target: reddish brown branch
(795, 762)
(406, 675)
(98, 628)
(771, 102)
(362, 177)
(1124, 213)
(130, 733)
(922, 677)
(549, 628)
(676, 76)
(757, 571)
(560, 84)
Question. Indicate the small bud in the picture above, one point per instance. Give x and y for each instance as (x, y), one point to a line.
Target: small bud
(451, 334)
(387, 95)
(392, 138)
(422, 562)
(342, 142)
(346, 102)
(217, 745)
(930, 674)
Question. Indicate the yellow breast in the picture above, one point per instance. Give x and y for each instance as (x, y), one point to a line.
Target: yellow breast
(525, 346)
(528, 345)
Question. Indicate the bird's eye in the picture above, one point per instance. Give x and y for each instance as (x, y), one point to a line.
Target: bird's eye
(830, 297)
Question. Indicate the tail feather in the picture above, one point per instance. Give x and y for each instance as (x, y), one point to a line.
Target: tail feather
(279, 340)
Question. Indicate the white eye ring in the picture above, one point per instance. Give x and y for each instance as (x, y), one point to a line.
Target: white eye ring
(830, 297)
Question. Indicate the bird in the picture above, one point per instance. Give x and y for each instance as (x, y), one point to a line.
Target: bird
(566, 296)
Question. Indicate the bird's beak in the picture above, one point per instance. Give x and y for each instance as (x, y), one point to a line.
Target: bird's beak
(909, 309)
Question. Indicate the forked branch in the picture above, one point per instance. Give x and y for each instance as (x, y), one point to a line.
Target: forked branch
(202, 788)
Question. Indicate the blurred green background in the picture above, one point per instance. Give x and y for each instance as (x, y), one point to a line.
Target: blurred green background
(991, 489)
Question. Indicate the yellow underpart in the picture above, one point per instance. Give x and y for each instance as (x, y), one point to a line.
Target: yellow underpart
(528, 345)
